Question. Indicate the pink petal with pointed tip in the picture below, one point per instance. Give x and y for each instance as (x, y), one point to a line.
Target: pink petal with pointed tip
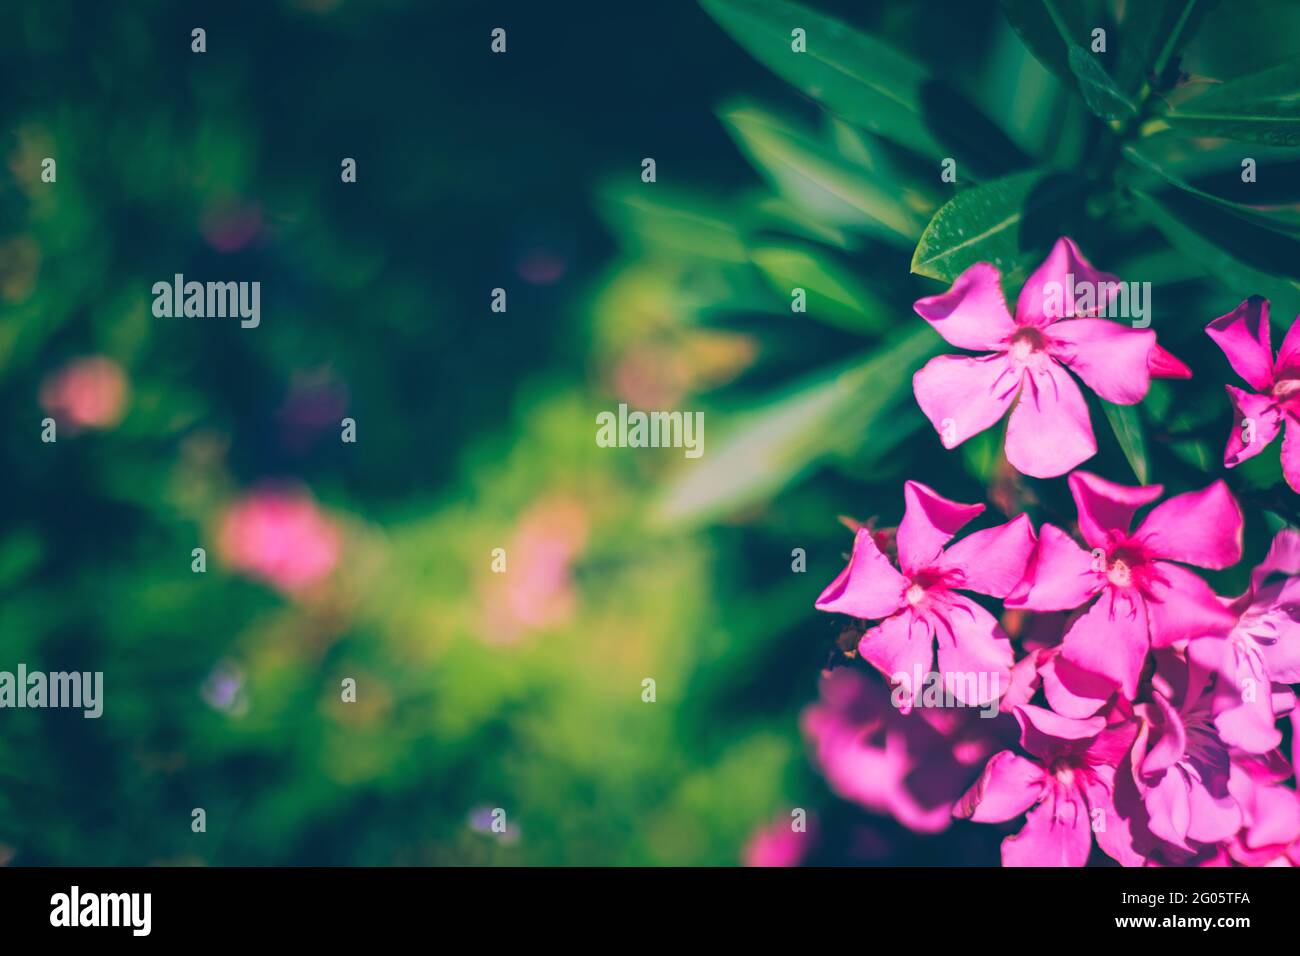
(1049, 431)
(1183, 606)
(972, 314)
(1200, 527)
(868, 587)
(1111, 640)
(993, 561)
(1061, 576)
(929, 522)
(1266, 421)
(1064, 260)
(901, 644)
(963, 395)
(1112, 359)
(1243, 334)
(1105, 506)
(1164, 364)
(1009, 785)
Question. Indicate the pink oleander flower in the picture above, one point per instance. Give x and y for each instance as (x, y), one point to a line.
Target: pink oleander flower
(1180, 764)
(1067, 790)
(779, 843)
(912, 768)
(280, 536)
(1246, 340)
(924, 602)
(1260, 656)
(1142, 599)
(87, 393)
(1270, 835)
(1026, 358)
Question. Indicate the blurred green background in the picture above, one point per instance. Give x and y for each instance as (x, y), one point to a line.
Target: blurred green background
(522, 690)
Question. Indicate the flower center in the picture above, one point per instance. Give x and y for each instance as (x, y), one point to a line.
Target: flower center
(1120, 574)
(915, 594)
(1025, 344)
(1285, 388)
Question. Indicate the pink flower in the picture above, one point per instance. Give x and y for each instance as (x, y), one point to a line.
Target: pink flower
(1260, 656)
(779, 843)
(88, 393)
(1049, 431)
(1180, 764)
(923, 602)
(912, 768)
(1143, 599)
(1067, 790)
(1245, 338)
(280, 536)
(1270, 835)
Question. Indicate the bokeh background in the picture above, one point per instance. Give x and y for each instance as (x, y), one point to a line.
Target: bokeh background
(475, 430)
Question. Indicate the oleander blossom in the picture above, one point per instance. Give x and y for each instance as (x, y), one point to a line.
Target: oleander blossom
(921, 601)
(1246, 339)
(280, 536)
(912, 768)
(1065, 787)
(1136, 596)
(1025, 360)
(1260, 656)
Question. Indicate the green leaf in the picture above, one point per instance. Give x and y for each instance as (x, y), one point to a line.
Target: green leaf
(1281, 218)
(867, 82)
(1126, 423)
(810, 174)
(1101, 93)
(986, 224)
(1040, 33)
(1263, 107)
(834, 296)
(770, 448)
(1150, 35)
(1239, 277)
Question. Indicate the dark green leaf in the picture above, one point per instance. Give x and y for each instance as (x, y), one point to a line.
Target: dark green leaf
(1127, 426)
(1263, 107)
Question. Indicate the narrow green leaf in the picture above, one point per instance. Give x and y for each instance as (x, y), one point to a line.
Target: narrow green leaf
(1239, 277)
(1100, 92)
(985, 224)
(770, 448)
(833, 296)
(1126, 423)
(1263, 107)
(812, 175)
(867, 82)
(1281, 218)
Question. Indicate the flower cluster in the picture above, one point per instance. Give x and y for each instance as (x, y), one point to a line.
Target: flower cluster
(1147, 706)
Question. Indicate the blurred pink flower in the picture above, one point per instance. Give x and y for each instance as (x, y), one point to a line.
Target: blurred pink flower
(779, 844)
(910, 767)
(280, 536)
(536, 591)
(87, 393)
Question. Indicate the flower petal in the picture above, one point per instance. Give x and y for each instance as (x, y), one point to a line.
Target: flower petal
(1265, 421)
(929, 522)
(1073, 692)
(1105, 506)
(1009, 785)
(868, 587)
(1164, 364)
(1291, 453)
(1182, 606)
(1057, 832)
(1038, 297)
(1061, 575)
(972, 314)
(1243, 334)
(1111, 640)
(1044, 733)
(993, 561)
(1049, 432)
(975, 654)
(962, 395)
(1112, 359)
(902, 644)
(1200, 527)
